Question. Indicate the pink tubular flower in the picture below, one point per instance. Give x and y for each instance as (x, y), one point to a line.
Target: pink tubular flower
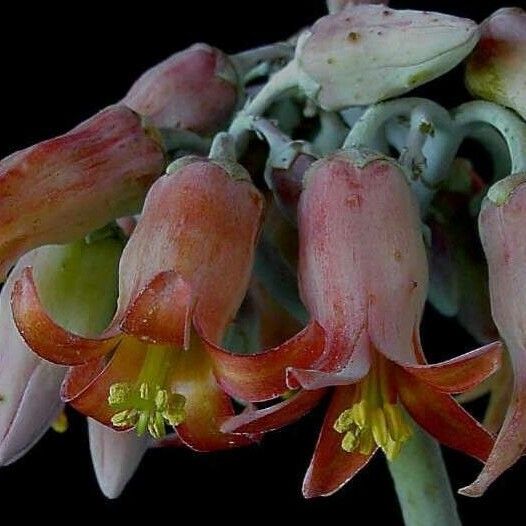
(363, 278)
(502, 222)
(61, 189)
(195, 89)
(186, 266)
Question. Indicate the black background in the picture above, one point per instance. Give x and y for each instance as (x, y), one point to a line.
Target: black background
(61, 65)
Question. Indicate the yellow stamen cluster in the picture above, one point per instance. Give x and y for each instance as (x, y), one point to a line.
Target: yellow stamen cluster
(365, 427)
(374, 419)
(146, 407)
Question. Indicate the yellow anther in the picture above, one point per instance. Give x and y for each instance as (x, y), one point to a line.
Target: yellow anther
(345, 421)
(60, 424)
(350, 441)
(119, 393)
(392, 449)
(366, 444)
(373, 420)
(361, 413)
(144, 391)
(379, 427)
(175, 412)
(125, 418)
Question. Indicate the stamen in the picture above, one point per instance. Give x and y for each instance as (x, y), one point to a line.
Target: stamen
(146, 405)
(373, 420)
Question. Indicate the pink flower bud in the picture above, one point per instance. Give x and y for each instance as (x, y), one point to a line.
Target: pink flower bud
(61, 189)
(496, 70)
(195, 89)
(368, 53)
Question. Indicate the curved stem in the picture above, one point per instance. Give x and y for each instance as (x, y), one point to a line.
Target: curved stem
(283, 81)
(422, 484)
(253, 58)
(332, 133)
(510, 126)
(424, 134)
(493, 142)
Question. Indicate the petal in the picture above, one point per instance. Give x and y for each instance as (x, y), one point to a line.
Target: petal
(356, 368)
(331, 467)
(29, 386)
(207, 406)
(161, 312)
(115, 456)
(44, 336)
(276, 416)
(509, 446)
(442, 417)
(262, 376)
(86, 387)
(461, 373)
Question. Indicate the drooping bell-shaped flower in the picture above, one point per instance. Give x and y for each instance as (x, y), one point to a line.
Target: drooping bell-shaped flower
(77, 284)
(62, 189)
(502, 222)
(196, 89)
(389, 52)
(363, 278)
(183, 275)
(496, 70)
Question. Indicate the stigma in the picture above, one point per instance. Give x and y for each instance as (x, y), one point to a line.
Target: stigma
(375, 419)
(148, 405)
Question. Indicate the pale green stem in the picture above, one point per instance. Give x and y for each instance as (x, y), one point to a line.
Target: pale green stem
(470, 116)
(246, 61)
(332, 133)
(422, 483)
(422, 131)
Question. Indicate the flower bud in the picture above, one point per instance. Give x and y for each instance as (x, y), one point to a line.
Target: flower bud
(496, 70)
(368, 53)
(61, 189)
(195, 89)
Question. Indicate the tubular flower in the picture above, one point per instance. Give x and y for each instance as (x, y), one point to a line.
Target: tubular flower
(496, 70)
(196, 89)
(501, 224)
(363, 277)
(77, 284)
(97, 172)
(183, 275)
